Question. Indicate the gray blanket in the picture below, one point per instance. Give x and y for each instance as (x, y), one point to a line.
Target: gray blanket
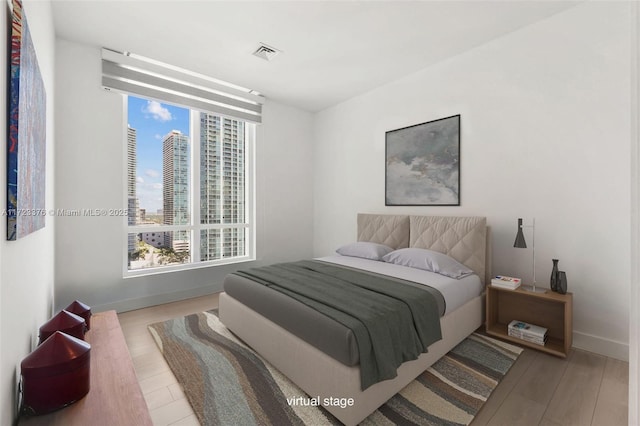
(392, 322)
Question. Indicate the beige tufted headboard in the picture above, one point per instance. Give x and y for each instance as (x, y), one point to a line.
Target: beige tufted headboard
(462, 238)
(390, 230)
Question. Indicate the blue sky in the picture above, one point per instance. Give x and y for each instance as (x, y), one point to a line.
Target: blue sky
(152, 121)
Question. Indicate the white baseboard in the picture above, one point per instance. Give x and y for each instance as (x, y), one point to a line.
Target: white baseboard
(600, 345)
(158, 299)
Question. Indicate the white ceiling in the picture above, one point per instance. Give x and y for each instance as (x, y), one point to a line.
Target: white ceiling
(331, 50)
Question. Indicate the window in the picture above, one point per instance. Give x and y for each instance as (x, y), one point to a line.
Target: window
(189, 192)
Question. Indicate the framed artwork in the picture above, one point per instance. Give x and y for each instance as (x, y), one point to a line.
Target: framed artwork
(27, 133)
(423, 164)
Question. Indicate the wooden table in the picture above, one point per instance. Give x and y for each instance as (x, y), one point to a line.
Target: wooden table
(114, 397)
(551, 310)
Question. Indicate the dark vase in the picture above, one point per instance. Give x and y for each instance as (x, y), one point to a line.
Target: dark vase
(554, 275)
(562, 282)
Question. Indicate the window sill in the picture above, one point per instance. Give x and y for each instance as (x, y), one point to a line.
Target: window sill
(185, 267)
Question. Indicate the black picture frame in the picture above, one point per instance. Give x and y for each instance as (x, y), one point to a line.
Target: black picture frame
(422, 164)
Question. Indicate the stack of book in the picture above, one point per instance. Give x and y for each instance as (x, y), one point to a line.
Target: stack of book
(503, 281)
(528, 332)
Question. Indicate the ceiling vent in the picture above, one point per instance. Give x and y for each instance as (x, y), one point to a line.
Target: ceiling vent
(266, 52)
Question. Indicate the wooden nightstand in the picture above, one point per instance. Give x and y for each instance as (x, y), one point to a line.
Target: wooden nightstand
(551, 310)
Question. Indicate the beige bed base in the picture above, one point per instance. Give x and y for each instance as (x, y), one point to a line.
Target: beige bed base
(320, 375)
(463, 238)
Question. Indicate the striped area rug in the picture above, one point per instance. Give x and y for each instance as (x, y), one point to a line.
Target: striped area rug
(227, 383)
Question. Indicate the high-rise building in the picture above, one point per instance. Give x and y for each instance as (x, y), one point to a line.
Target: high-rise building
(222, 185)
(132, 201)
(175, 189)
(131, 161)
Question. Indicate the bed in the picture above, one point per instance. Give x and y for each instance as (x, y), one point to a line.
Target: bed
(327, 372)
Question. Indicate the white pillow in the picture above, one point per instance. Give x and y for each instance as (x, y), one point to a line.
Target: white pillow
(428, 260)
(365, 250)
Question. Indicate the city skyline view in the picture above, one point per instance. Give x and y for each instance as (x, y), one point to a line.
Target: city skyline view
(152, 121)
(159, 173)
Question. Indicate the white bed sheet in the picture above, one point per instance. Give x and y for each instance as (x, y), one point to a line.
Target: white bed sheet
(455, 292)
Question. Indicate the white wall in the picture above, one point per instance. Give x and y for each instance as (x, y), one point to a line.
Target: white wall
(545, 134)
(90, 174)
(634, 294)
(26, 265)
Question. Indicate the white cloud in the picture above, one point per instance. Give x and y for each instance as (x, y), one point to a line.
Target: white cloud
(157, 111)
(152, 173)
(150, 196)
(140, 179)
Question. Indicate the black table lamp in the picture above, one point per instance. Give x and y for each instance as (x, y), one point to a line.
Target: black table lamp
(521, 243)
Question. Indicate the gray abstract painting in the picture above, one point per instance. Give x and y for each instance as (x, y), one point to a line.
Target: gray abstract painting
(423, 164)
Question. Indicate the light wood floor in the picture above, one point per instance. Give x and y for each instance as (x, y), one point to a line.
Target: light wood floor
(586, 389)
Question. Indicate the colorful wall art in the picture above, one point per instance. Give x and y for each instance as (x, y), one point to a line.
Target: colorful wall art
(26, 148)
